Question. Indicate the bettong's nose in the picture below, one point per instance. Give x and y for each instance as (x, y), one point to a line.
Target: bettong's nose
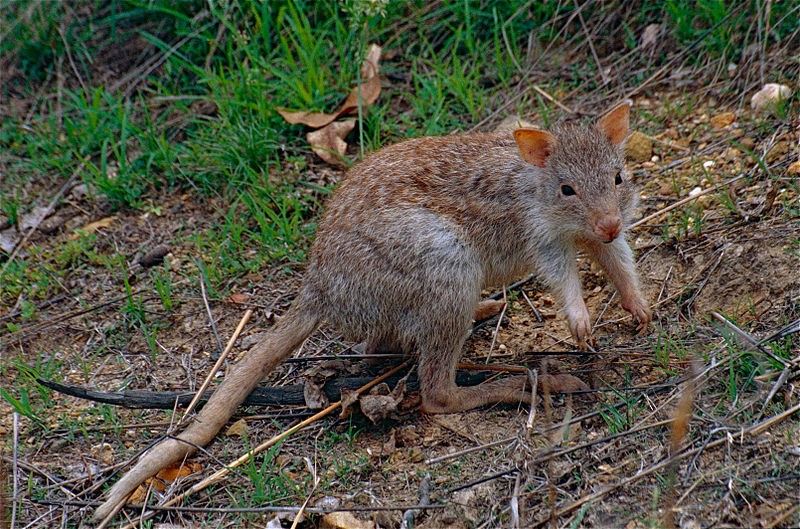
(607, 228)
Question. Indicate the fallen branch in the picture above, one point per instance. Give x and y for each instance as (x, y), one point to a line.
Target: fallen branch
(221, 473)
(263, 396)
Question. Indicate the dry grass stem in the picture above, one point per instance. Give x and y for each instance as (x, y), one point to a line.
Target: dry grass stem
(217, 364)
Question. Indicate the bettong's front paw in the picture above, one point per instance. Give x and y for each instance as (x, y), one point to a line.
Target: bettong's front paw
(640, 311)
(580, 326)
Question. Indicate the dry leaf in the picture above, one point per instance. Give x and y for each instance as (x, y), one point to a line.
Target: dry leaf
(328, 142)
(325, 369)
(274, 523)
(344, 520)
(390, 446)
(93, 226)
(104, 452)
(165, 477)
(369, 91)
(315, 397)
(377, 407)
(9, 239)
(238, 428)
(239, 298)
(349, 397)
(314, 120)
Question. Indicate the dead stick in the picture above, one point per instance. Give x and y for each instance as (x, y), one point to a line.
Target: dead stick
(687, 199)
(221, 473)
(218, 364)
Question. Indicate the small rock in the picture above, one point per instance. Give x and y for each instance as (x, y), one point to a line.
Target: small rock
(748, 143)
(666, 190)
(638, 147)
(777, 151)
(155, 256)
(33, 218)
(722, 120)
(732, 154)
(650, 36)
(771, 94)
(103, 452)
(79, 191)
(344, 520)
(794, 168)
(327, 502)
(52, 224)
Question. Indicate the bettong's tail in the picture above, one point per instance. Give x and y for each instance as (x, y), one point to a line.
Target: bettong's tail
(287, 335)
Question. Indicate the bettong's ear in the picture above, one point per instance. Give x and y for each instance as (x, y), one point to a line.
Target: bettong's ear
(615, 124)
(534, 145)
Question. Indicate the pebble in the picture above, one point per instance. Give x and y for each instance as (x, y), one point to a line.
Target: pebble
(748, 143)
(777, 152)
(638, 147)
(722, 120)
(732, 154)
(770, 94)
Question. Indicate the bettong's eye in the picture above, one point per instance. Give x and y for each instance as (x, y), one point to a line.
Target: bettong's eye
(618, 179)
(567, 191)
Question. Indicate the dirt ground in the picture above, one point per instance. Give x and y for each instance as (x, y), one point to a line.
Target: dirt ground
(687, 420)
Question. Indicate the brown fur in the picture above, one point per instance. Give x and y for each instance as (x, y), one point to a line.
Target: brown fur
(417, 230)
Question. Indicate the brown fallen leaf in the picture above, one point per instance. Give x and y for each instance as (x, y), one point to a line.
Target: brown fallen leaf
(314, 120)
(163, 479)
(93, 226)
(328, 142)
(349, 397)
(378, 404)
(368, 91)
(238, 428)
(377, 407)
(315, 396)
(239, 298)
